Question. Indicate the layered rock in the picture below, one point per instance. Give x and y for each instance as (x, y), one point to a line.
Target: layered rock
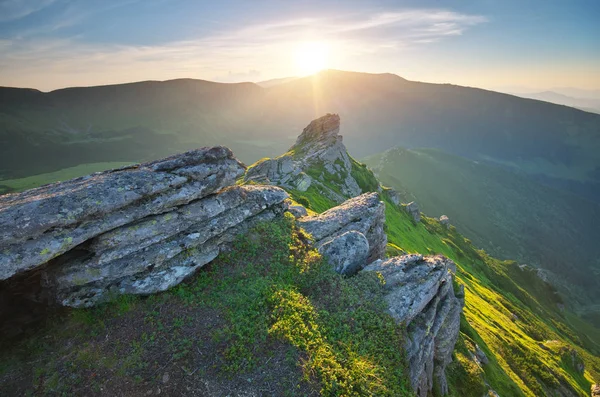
(139, 229)
(318, 156)
(364, 215)
(420, 294)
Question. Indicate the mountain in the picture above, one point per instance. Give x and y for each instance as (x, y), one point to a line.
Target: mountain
(46, 132)
(503, 212)
(284, 296)
(586, 104)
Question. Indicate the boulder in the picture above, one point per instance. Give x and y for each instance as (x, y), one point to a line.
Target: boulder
(347, 253)
(136, 230)
(421, 295)
(319, 151)
(595, 390)
(364, 214)
(413, 209)
(480, 356)
(297, 210)
(444, 220)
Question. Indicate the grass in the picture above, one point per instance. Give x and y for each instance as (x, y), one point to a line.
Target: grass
(497, 292)
(21, 184)
(270, 310)
(504, 213)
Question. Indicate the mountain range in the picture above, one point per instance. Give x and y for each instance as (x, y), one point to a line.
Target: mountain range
(44, 132)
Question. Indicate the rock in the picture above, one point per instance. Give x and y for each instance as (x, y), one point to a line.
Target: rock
(413, 209)
(347, 253)
(444, 220)
(297, 210)
(420, 294)
(596, 390)
(40, 224)
(364, 214)
(147, 228)
(480, 356)
(318, 150)
(394, 196)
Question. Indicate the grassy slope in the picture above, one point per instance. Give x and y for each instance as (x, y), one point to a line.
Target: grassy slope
(267, 318)
(505, 213)
(270, 317)
(521, 361)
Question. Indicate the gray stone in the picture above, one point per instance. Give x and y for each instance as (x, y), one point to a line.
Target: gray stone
(480, 356)
(413, 209)
(420, 294)
(347, 253)
(318, 147)
(41, 224)
(394, 196)
(364, 214)
(297, 210)
(444, 220)
(137, 230)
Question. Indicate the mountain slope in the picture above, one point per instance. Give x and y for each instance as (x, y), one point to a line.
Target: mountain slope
(503, 212)
(510, 313)
(268, 316)
(133, 122)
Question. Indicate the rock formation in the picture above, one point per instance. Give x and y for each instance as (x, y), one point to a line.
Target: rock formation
(138, 230)
(319, 151)
(420, 294)
(363, 215)
(595, 390)
(413, 209)
(444, 220)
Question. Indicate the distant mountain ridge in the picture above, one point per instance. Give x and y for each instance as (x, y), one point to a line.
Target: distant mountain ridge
(44, 132)
(589, 104)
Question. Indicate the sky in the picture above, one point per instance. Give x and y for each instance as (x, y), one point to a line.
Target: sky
(495, 44)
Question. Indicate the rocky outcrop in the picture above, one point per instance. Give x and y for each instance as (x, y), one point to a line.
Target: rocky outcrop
(137, 230)
(420, 294)
(444, 220)
(596, 390)
(364, 215)
(318, 158)
(413, 209)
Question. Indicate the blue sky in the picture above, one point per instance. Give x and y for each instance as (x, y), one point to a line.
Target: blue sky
(527, 44)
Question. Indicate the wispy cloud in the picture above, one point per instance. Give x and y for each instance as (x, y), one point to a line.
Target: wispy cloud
(16, 9)
(266, 49)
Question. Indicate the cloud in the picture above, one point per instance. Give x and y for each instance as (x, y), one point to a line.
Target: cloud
(234, 54)
(16, 9)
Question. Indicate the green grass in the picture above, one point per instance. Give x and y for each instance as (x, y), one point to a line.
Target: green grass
(21, 184)
(272, 289)
(503, 212)
(495, 290)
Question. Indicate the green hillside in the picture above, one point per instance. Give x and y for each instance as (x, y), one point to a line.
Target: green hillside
(269, 316)
(514, 316)
(503, 212)
(45, 132)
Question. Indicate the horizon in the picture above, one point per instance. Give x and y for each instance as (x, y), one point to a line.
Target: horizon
(53, 44)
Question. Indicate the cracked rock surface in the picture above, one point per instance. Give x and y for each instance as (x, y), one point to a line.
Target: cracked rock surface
(138, 229)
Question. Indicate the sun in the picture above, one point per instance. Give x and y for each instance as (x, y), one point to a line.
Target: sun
(311, 57)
